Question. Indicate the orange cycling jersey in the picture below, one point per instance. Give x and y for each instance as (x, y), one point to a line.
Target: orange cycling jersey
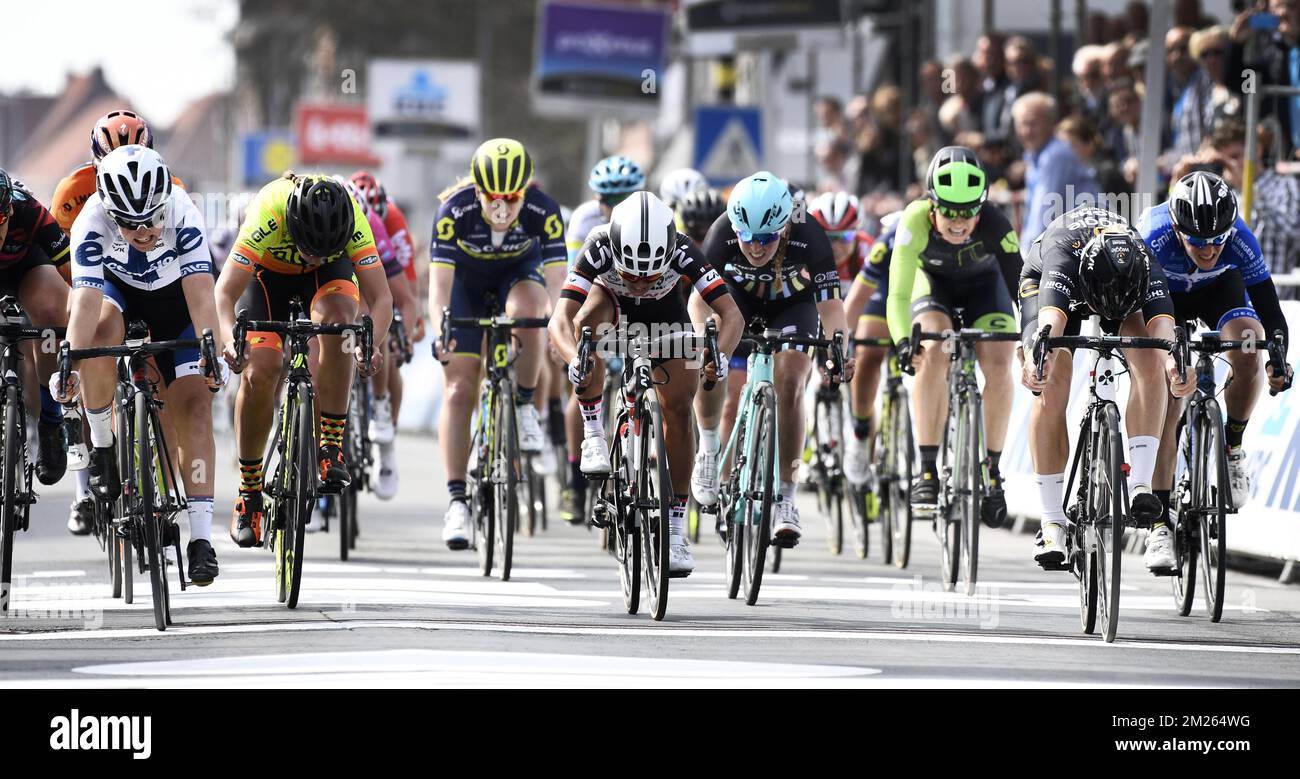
(73, 192)
(264, 240)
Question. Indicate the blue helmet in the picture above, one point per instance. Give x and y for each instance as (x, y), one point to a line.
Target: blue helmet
(759, 204)
(616, 175)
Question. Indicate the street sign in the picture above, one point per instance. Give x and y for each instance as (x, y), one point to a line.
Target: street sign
(728, 143)
(267, 155)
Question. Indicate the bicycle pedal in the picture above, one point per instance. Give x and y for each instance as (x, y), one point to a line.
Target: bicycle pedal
(785, 542)
(1055, 566)
(678, 574)
(1165, 571)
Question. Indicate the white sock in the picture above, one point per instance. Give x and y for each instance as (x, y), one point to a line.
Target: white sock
(787, 491)
(677, 518)
(709, 439)
(83, 484)
(592, 425)
(388, 456)
(1142, 460)
(200, 510)
(1051, 490)
(101, 426)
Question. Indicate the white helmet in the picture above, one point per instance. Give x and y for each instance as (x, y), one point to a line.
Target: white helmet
(133, 182)
(643, 235)
(680, 183)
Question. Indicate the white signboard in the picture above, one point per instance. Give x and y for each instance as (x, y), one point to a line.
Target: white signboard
(435, 94)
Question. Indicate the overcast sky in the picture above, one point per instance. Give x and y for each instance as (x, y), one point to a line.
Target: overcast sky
(159, 54)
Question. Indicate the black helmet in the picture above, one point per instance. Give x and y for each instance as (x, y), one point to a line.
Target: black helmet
(956, 179)
(1202, 205)
(6, 190)
(320, 216)
(1114, 272)
(700, 209)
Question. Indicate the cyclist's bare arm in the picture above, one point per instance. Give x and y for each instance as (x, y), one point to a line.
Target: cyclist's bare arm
(561, 329)
(230, 287)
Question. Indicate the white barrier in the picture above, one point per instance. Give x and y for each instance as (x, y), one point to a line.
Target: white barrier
(1268, 526)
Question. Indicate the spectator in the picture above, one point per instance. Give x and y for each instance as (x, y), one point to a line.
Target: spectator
(991, 62)
(1122, 134)
(1188, 13)
(830, 119)
(1189, 93)
(1136, 22)
(1022, 78)
(1115, 64)
(1275, 57)
(961, 111)
(1090, 82)
(834, 169)
(1098, 26)
(1055, 178)
(1209, 47)
(1086, 142)
(879, 144)
(932, 96)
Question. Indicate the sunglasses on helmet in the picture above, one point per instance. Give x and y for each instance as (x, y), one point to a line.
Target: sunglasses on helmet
(762, 239)
(958, 213)
(1201, 243)
(155, 220)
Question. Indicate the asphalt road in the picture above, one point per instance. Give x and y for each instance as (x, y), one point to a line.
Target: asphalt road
(407, 612)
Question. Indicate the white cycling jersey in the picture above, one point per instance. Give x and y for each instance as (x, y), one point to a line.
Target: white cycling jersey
(98, 248)
(584, 219)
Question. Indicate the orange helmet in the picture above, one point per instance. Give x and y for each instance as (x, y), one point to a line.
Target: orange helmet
(373, 192)
(119, 128)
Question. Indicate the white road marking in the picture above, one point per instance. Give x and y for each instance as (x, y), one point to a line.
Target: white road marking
(50, 574)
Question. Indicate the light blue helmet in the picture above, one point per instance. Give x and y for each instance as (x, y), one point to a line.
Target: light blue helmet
(616, 175)
(759, 204)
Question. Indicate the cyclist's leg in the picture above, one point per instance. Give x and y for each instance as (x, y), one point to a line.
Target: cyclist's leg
(98, 379)
(1144, 418)
(600, 311)
(715, 409)
(675, 400)
(1049, 436)
(44, 296)
(930, 397)
(1186, 307)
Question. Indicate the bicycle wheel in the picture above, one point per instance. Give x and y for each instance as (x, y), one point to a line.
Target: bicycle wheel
(623, 538)
(149, 517)
(1186, 510)
(948, 518)
(899, 462)
(972, 481)
(301, 494)
(1109, 524)
(505, 477)
(1214, 500)
(532, 483)
(485, 517)
(826, 443)
(114, 545)
(654, 498)
(126, 531)
(757, 492)
(9, 513)
(347, 503)
(1085, 564)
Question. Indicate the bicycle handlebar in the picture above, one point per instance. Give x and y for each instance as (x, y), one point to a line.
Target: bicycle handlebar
(1277, 359)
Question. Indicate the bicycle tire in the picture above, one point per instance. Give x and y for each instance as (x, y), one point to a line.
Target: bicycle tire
(657, 486)
(973, 478)
(759, 475)
(1110, 534)
(114, 548)
(126, 471)
(624, 541)
(947, 530)
(900, 478)
(1213, 516)
(1187, 544)
(347, 503)
(302, 493)
(1086, 570)
(9, 514)
(148, 515)
(529, 527)
(507, 485)
(485, 518)
(824, 443)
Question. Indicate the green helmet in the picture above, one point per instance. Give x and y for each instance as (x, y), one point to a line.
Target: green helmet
(956, 179)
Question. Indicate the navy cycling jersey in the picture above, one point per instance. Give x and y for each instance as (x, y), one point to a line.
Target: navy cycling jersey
(462, 238)
(1241, 252)
(875, 271)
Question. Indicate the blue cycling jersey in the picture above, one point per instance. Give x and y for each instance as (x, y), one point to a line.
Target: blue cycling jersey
(1241, 252)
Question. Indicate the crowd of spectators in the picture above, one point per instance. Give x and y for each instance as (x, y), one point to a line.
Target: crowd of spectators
(1051, 142)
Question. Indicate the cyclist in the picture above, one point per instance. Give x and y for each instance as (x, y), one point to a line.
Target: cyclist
(838, 214)
(387, 384)
(679, 183)
(783, 271)
(697, 211)
(1216, 274)
(953, 251)
(32, 251)
(303, 237)
(865, 311)
(493, 235)
(627, 272)
(112, 130)
(613, 179)
(1089, 261)
(141, 253)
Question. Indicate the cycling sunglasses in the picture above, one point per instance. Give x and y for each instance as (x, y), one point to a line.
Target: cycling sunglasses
(612, 200)
(958, 213)
(762, 239)
(847, 236)
(510, 197)
(632, 278)
(1201, 243)
(156, 220)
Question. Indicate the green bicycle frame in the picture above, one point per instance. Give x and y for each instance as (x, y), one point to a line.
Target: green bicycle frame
(759, 371)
